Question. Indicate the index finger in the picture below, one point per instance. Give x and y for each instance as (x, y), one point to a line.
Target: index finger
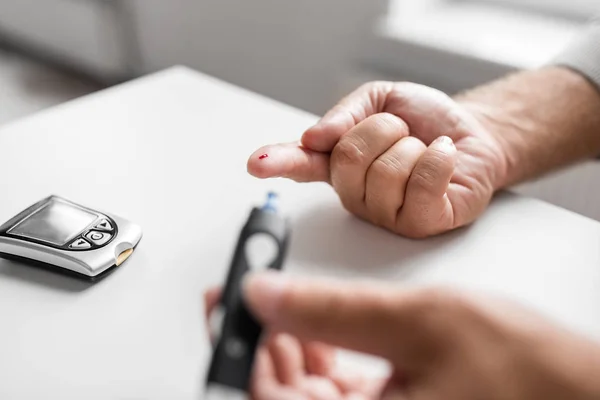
(211, 299)
(371, 318)
(265, 385)
(367, 100)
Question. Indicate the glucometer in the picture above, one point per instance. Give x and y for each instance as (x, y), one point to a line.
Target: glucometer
(66, 237)
(237, 333)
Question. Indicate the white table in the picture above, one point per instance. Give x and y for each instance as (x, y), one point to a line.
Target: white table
(169, 151)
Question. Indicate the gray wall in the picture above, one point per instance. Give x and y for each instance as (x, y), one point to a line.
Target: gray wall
(289, 50)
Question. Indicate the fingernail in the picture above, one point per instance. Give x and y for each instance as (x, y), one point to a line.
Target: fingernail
(263, 291)
(445, 140)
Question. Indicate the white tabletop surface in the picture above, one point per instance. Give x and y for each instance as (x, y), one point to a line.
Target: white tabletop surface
(169, 152)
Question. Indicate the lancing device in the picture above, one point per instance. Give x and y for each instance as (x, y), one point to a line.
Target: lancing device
(262, 244)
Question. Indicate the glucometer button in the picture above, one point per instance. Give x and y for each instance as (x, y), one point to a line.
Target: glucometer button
(104, 225)
(235, 348)
(98, 238)
(80, 244)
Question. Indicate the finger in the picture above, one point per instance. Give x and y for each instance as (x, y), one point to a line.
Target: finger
(211, 298)
(289, 160)
(275, 391)
(212, 314)
(264, 370)
(264, 384)
(288, 359)
(319, 358)
(319, 388)
(357, 396)
(350, 381)
(356, 151)
(367, 100)
(371, 318)
(387, 178)
(427, 209)
(429, 112)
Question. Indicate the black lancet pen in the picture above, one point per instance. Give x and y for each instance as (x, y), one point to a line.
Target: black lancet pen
(236, 331)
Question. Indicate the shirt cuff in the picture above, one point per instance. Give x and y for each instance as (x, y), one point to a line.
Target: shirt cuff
(583, 54)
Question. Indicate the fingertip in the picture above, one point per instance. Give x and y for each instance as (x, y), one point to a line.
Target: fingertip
(289, 160)
(263, 366)
(446, 153)
(325, 134)
(446, 143)
(211, 298)
(212, 295)
(264, 292)
(317, 387)
(265, 384)
(320, 358)
(287, 356)
(262, 164)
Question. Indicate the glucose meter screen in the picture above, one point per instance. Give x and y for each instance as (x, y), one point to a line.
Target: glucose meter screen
(56, 223)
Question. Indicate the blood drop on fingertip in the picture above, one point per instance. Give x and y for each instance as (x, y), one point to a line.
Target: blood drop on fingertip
(263, 156)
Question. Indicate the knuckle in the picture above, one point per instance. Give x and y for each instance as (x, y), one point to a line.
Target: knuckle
(378, 91)
(431, 168)
(346, 152)
(387, 124)
(338, 109)
(374, 86)
(368, 86)
(385, 168)
(351, 205)
(425, 176)
(437, 156)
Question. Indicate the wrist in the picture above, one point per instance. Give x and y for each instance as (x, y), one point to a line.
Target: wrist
(541, 120)
(491, 121)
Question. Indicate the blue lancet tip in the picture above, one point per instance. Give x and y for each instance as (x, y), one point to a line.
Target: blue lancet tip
(271, 203)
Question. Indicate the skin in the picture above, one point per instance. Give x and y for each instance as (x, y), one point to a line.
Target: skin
(412, 160)
(416, 162)
(441, 344)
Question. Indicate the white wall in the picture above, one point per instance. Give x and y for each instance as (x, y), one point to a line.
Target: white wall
(83, 34)
(291, 50)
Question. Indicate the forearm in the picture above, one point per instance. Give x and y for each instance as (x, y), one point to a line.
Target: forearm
(542, 119)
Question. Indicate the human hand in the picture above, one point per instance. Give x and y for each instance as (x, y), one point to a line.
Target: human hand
(442, 344)
(287, 369)
(400, 155)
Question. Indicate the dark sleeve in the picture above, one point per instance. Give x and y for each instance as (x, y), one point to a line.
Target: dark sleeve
(583, 54)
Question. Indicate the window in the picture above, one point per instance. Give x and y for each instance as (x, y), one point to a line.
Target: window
(580, 9)
(456, 44)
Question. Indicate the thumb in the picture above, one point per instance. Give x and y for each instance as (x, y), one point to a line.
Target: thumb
(289, 160)
(365, 317)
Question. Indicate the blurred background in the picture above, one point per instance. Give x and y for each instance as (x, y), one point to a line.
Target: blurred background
(305, 53)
